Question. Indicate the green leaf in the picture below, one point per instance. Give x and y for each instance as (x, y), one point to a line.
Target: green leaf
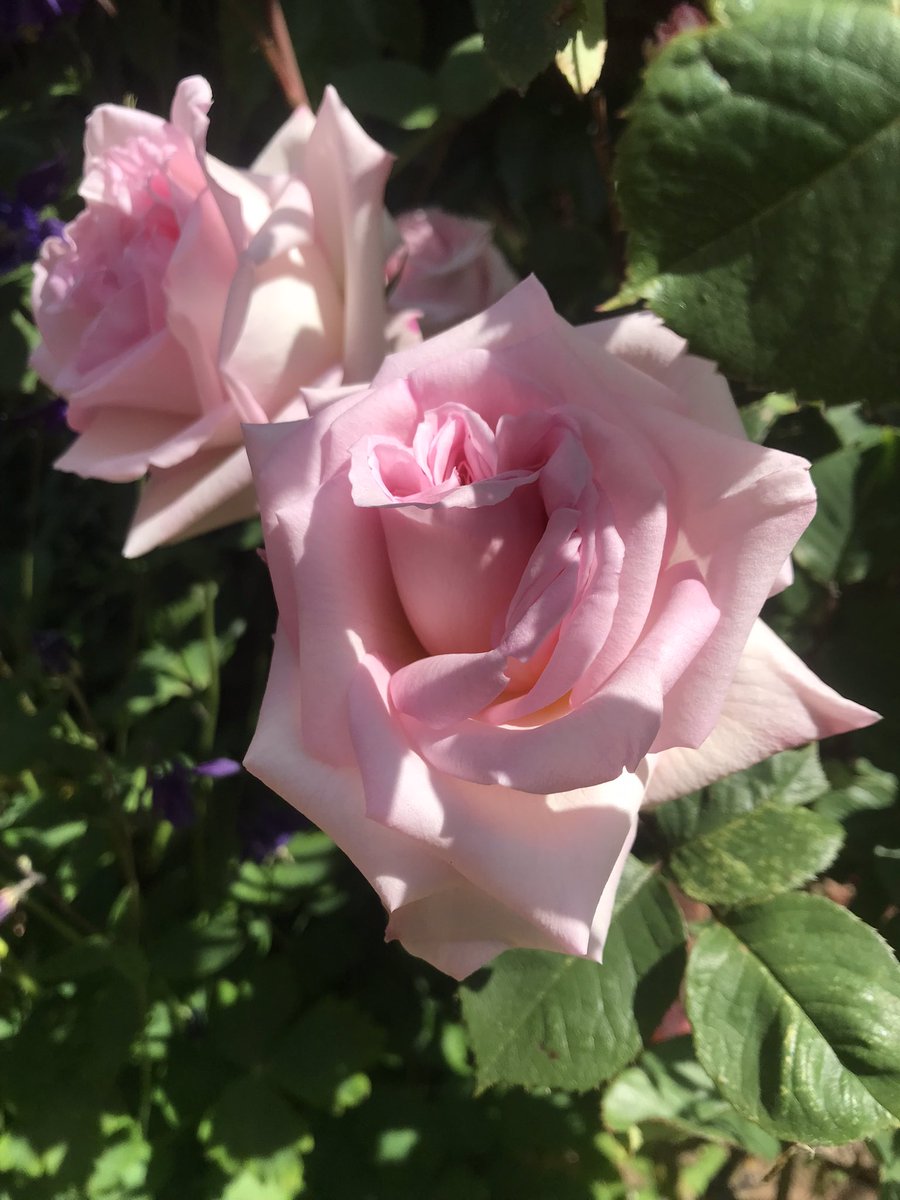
(795, 1008)
(865, 790)
(547, 1020)
(396, 91)
(250, 1120)
(758, 180)
(757, 855)
(200, 948)
(791, 778)
(671, 1097)
(317, 1060)
(467, 82)
(824, 542)
(522, 36)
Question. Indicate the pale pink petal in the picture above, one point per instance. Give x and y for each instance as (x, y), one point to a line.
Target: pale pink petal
(640, 339)
(400, 869)
(190, 109)
(346, 173)
(522, 314)
(284, 153)
(496, 837)
(282, 324)
(111, 125)
(318, 539)
(120, 446)
(456, 569)
(196, 298)
(774, 702)
(593, 743)
(155, 375)
(461, 929)
(209, 490)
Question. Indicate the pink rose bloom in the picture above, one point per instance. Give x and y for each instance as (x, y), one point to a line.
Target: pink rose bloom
(189, 297)
(518, 580)
(448, 268)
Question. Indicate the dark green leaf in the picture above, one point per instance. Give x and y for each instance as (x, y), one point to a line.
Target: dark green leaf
(467, 82)
(397, 92)
(321, 1057)
(758, 180)
(522, 36)
(790, 778)
(795, 1007)
(200, 948)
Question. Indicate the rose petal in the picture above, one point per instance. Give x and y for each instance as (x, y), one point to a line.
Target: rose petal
(611, 731)
(346, 173)
(497, 838)
(774, 702)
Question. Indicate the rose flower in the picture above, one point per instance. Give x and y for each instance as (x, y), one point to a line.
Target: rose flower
(518, 580)
(189, 297)
(447, 269)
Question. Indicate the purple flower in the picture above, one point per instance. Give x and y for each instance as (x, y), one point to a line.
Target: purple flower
(170, 788)
(217, 768)
(22, 229)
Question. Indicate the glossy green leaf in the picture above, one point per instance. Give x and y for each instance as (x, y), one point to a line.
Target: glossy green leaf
(795, 1008)
(791, 778)
(758, 181)
(547, 1020)
(756, 855)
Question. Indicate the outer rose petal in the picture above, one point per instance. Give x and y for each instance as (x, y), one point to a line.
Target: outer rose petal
(346, 172)
(696, 388)
(774, 703)
(497, 838)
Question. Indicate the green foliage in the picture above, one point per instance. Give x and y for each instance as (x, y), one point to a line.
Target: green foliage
(746, 839)
(543, 1020)
(753, 185)
(670, 1097)
(803, 1042)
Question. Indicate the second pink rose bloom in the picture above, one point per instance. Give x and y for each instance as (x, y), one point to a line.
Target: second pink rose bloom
(189, 297)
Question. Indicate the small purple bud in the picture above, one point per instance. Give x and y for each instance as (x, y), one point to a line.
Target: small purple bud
(217, 768)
